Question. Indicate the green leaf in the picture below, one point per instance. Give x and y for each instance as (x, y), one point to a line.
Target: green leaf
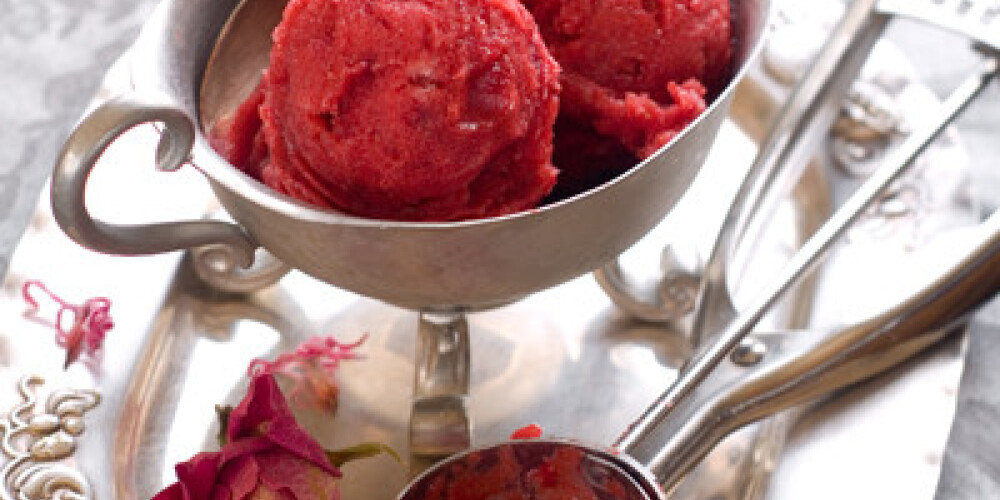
(222, 412)
(360, 451)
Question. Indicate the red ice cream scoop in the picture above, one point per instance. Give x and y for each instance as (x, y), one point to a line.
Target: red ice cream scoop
(639, 46)
(635, 74)
(403, 110)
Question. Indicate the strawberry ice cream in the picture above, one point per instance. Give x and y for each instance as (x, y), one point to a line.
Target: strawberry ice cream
(511, 473)
(634, 74)
(403, 110)
(447, 110)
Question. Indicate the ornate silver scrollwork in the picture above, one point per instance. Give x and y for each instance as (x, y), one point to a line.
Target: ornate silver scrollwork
(35, 441)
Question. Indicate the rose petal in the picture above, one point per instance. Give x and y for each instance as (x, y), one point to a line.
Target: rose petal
(264, 493)
(240, 475)
(173, 492)
(265, 411)
(198, 475)
(263, 403)
(264, 440)
(236, 449)
(287, 495)
(281, 471)
(222, 492)
(292, 438)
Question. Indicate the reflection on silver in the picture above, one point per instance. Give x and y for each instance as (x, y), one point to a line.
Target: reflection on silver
(439, 418)
(32, 472)
(749, 352)
(870, 124)
(218, 266)
(671, 297)
(875, 120)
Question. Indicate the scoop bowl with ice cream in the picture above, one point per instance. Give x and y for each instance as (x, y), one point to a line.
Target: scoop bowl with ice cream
(196, 61)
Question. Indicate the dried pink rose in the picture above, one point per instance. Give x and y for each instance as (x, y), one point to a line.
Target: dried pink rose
(87, 329)
(267, 456)
(312, 367)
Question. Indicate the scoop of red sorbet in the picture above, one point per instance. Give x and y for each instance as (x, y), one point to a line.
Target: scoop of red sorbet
(635, 74)
(404, 110)
(516, 473)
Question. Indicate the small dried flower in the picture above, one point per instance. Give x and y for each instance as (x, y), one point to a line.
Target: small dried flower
(312, 367)
(266, 456)
(87, 328)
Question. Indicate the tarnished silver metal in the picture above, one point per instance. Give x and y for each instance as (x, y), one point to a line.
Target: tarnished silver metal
(477, 263)
(215, 265)
(33, 470)
(749, 352)
(671, 297)
(870, 119)
(72, 424)
(440, 424)
(871, 114)
(41, 425)
(86, 144)
(54, 446)
(977, 19)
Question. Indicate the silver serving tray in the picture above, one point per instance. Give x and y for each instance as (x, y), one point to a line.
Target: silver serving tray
(564, 358)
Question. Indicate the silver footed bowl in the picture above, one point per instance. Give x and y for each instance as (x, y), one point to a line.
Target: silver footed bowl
(195, 60)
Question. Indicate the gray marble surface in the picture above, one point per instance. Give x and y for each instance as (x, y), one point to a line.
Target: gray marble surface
(52, 56)
(53, 53)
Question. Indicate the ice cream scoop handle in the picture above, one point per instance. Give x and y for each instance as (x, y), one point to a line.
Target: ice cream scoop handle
(81, 151)
(675, 431)
(798, 367)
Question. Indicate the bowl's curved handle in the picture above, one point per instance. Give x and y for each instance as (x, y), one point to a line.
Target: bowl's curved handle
(84, 147)
(671, 297)
(89, 140)
(216, 265)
